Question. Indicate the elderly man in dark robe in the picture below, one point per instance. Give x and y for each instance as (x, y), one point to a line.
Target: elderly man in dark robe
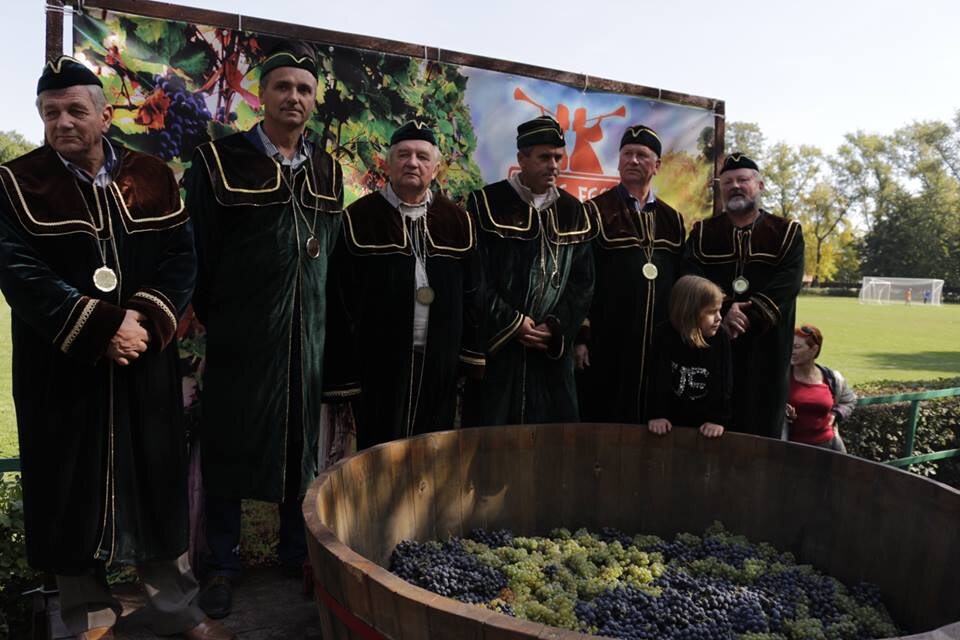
(638, 253)
(266, 208)
(756, 258)
(538, 280)
(405, 287)
(96, 262)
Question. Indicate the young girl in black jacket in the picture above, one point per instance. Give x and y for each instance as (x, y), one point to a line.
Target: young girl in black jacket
(691, 382)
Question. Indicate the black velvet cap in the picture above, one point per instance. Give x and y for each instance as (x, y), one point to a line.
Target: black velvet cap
(290, 53)
(738, 161)
(642, 134)
(65, 72)
(413, 130)
(542, 130)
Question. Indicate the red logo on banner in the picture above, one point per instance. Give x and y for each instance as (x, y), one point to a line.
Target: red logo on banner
(581, 173)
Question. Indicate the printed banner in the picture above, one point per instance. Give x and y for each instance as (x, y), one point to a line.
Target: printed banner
(175, 85)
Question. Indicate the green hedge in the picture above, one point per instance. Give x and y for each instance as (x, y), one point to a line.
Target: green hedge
(16, 576)
(876, 432)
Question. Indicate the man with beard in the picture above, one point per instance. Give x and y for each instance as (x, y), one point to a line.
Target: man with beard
(757, 259)
(405, 287)
(266, 208)
(96, 263)
(538, 281)
(637, 253)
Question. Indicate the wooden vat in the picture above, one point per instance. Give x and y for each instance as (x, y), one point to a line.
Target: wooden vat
(853, 519)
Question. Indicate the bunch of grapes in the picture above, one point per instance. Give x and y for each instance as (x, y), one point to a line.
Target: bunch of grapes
(185, 122)
(716, 586)
(445, 568)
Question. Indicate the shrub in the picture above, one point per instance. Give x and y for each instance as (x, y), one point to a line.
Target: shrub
(877, 432)
(15, 575)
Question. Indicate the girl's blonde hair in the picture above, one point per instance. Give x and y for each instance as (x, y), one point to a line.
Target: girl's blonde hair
(690, 297)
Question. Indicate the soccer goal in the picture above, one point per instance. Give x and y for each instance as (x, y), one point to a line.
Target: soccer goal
(883, 290)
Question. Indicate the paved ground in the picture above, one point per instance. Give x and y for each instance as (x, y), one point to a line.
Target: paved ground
(266, 606)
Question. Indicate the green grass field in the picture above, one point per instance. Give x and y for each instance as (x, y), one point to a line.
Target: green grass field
(866, 343)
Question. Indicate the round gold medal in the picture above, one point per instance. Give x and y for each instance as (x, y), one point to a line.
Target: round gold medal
(313, 247)
(650, 271)
(425, 295)
(741, 285)
(105, 279)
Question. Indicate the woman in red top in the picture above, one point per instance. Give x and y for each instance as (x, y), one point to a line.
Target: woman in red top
(819, 397)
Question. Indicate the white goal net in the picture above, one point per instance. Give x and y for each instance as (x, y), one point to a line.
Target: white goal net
(883, 290)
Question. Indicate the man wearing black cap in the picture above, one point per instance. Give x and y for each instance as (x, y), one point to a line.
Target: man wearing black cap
(637, 253)
(266, 208)
(96, 262)
(757, 259)
(538, 279)
(405, 287)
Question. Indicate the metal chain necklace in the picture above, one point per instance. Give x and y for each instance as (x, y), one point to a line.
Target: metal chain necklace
(312, 245)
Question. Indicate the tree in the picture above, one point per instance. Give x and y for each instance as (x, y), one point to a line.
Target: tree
(865, 175)
(788, 175)
(823, 216)
(744, 137)
(13, 145)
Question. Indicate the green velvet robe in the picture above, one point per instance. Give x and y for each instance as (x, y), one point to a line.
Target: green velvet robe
(262, 301)
(769, 254)
(537, 264)
(626, 305)
(102, 446)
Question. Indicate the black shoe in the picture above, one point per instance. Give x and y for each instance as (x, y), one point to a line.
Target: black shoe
(216, 598)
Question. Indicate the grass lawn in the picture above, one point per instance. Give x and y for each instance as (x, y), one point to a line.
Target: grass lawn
(866, 343)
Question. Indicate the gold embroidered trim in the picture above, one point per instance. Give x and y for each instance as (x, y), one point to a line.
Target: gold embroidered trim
(506, 333)
(78, 325)
(226, 185)
(26, 209)
(635, 241)
(785, 242)
(344, 393)
(126, 211)
(552, 214)
(486, 206)
(306, 186)
(391, 245)
(160, 303)
(446, 248)
(67, 321)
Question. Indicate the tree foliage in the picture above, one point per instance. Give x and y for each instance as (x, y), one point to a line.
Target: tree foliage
(880, 205)
(13, 145)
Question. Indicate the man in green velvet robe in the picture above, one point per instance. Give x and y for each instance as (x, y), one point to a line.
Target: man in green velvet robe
(266, 207)
(638, 252)
(534, 241)
(96, 263)
(407, 254)
(757, 259)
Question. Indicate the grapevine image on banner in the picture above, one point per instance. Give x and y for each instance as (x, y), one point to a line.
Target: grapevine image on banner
(175, 85)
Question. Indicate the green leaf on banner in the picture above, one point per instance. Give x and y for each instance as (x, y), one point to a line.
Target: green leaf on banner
(444, 127)
(123, 119)
(151, 30)
(194, 60)
(143, 142)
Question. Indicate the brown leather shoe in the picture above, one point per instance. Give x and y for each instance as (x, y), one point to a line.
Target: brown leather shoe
(97, 633)
(209, 630)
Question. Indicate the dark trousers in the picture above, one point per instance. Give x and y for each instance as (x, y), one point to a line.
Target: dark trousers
(223, 536)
